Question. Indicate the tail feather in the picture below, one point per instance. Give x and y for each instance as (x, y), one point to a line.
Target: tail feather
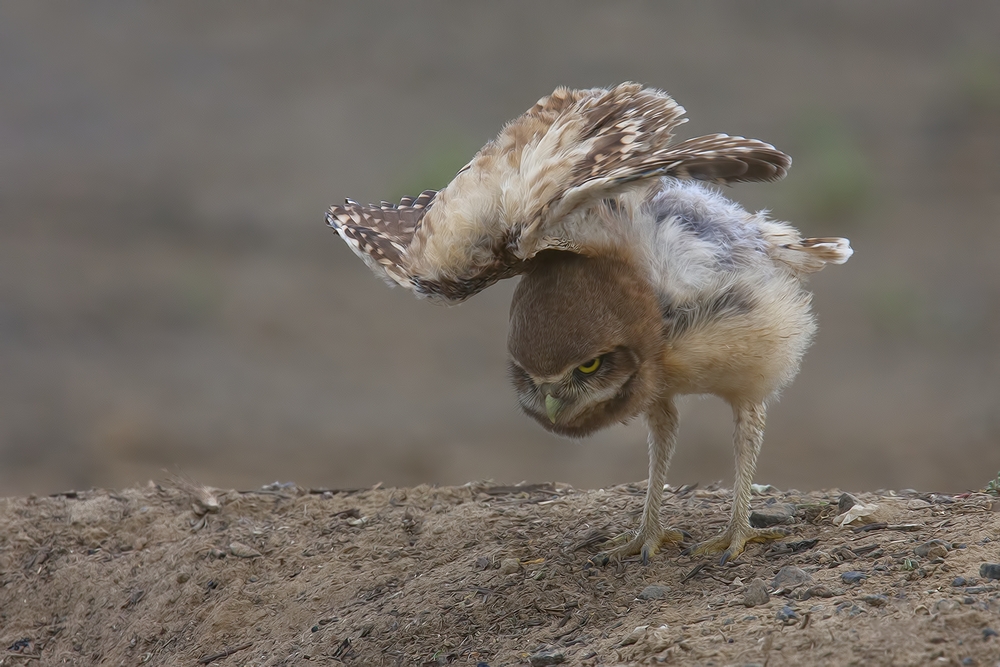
(830, 249)
(804, 256)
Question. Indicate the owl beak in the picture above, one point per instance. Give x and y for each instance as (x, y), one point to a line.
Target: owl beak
(552, 407)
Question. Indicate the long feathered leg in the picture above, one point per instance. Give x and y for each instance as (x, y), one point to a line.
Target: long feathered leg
(748, 437)
(662, 419)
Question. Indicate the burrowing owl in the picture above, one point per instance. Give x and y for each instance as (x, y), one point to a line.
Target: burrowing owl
(639, 283)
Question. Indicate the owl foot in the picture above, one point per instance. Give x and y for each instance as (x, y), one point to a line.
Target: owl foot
(733, 541)
(646, 542)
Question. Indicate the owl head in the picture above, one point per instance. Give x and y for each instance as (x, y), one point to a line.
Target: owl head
(585, 337)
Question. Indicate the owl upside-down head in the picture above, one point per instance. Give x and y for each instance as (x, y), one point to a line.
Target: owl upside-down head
(585, 336)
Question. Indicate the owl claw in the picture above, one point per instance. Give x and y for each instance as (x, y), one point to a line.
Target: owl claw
(645, 543)
(732, 542)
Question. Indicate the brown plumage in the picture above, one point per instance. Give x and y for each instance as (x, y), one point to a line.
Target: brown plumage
(525, 190)
(639, 285)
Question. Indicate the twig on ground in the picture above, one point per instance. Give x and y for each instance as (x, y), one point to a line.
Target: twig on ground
(224, 653)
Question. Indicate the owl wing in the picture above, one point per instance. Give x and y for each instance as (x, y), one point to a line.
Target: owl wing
(570, 151)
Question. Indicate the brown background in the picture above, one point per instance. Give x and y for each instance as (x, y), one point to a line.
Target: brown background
(170, 298)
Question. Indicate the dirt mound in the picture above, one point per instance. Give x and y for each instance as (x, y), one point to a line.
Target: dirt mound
(177, 574)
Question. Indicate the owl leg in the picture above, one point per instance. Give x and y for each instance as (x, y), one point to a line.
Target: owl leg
(748, 438)
(662, 420)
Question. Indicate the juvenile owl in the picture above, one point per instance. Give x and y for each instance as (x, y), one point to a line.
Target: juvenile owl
(639, 283)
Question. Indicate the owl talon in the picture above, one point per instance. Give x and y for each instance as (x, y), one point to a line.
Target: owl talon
(733, 542)
(642, 544)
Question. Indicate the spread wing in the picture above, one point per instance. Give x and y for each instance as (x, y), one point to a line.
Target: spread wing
(380, 235)
(565, 155)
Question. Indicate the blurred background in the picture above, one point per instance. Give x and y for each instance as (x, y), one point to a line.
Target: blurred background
(172, 302)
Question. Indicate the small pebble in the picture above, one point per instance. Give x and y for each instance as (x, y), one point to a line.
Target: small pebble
(958, 581)
(875, 600)
(773, 515)
(932, 549)
(789, 577)
(976, 590)
(509, 566)
(482, 563)
(990, 570)
(241, 550)
(652, 592)
(853, 577)
(989, 632)
(755, 594)
(20, 645)
(786, 615)
(846, 502)
(548, 657)
(849, 608)
(945, 606)
(968, 599)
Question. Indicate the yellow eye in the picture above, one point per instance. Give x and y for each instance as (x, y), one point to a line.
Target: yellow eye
(590, 366)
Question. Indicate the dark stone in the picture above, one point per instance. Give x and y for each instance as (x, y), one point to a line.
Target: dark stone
(790, 577)
(652, 592)
(846, 502)
(547, 657)
(849, 608)
(990, 570)
(932, 549)
(786, 615)
(783, 548)
(773, 515)
(875, 600)
(22, 644)
(958, 581)
(853, 577)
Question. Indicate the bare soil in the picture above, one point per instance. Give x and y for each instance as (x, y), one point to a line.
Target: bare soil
(174, 573)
